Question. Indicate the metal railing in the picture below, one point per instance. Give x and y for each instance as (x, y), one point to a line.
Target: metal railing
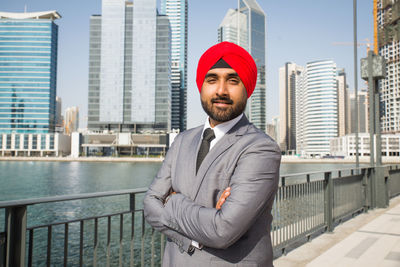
(111, 239)
(305, 204)
(315, 202)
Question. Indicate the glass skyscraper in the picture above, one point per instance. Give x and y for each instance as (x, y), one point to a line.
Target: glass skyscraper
(129, 68)
(28, 72)
(317, 108)
(245, 26)
(177, 12)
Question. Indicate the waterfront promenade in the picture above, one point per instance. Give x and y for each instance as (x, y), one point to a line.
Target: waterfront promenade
(369, 239)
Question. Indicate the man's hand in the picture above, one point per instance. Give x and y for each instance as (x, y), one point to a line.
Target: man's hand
(168, 197)
(223, 197)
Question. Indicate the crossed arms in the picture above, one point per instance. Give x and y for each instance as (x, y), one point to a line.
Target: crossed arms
(253, 185)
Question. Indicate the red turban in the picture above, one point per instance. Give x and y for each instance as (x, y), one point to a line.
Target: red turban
(237, 57)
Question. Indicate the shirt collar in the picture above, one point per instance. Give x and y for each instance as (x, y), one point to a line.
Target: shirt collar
(221, 129)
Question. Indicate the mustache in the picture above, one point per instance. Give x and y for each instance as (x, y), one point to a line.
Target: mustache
(225, 100)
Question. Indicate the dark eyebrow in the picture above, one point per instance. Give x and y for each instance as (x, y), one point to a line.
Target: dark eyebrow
(211, 75)
(230, 75)
(233, 75)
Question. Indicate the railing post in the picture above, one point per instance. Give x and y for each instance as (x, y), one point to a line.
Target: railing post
(328, 201)
(381, 179)
(2, 249)
(367, 188)
(372, 187)
(132, 202)
(379, 187)
(16, 236)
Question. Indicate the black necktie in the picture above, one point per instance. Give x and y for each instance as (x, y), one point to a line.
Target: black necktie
(208, 136)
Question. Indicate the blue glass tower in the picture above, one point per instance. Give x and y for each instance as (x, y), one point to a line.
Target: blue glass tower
(28, 72)
(177, 12)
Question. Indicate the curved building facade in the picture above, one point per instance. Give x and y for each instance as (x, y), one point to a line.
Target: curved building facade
(320, 111)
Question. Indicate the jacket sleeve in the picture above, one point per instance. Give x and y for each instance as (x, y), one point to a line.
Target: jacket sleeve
(156, 194)
(253, 187)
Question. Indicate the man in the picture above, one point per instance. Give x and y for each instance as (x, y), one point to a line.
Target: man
(215, 207)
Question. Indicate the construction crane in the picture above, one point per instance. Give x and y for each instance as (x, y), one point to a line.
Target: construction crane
(366, 43)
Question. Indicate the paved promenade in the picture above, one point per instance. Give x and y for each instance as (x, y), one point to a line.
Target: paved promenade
(370, 239)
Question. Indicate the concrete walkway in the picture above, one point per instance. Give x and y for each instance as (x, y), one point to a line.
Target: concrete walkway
(370, 239)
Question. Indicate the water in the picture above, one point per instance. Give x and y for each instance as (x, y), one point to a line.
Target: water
(23, 180)
(38, 179)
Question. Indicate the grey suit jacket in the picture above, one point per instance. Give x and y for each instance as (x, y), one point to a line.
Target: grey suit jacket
(247, 160)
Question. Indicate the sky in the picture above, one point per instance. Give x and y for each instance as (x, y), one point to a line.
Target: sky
(296, 31)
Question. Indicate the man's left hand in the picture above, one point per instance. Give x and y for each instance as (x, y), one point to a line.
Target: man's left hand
(223, 197)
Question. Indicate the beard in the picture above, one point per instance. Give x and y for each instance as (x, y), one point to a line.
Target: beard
(223, 114)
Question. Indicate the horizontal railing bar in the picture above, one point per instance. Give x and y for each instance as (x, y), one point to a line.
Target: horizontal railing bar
(33, 201)
(347, 177)
(321, 172)
(84, 219)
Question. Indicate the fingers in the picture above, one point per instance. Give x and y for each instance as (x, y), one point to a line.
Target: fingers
(168, 197)
(223, 197)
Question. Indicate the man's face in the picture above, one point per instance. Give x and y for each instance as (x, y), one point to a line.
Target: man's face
(223, 95)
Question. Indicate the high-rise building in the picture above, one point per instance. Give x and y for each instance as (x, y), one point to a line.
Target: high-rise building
(289, 76)
(317, 108)
(59, 127)
(273, 128)
(343, 103)
(28, 72)
(301, 89)
(129, 68)
(163, 73)
(71, 120)
(362, 112)
(245, 26)
(59, 116)
(177, 12)
(388, 20)
(94, 73)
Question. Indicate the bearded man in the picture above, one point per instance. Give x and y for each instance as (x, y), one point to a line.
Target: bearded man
(213, 194)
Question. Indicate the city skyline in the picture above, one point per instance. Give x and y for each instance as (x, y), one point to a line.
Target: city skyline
(306, 32)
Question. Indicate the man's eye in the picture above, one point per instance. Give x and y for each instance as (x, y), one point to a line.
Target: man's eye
(234, 81)
(210, 80)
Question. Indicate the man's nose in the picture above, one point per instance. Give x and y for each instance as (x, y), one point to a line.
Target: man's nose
(222, 88)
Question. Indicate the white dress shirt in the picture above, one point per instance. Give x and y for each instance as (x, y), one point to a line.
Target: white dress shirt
(221, 129)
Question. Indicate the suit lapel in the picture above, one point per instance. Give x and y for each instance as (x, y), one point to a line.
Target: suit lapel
(225, 143)
(192, 153)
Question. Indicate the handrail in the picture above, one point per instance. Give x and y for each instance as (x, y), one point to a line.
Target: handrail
(33, 201)
(321, 172)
